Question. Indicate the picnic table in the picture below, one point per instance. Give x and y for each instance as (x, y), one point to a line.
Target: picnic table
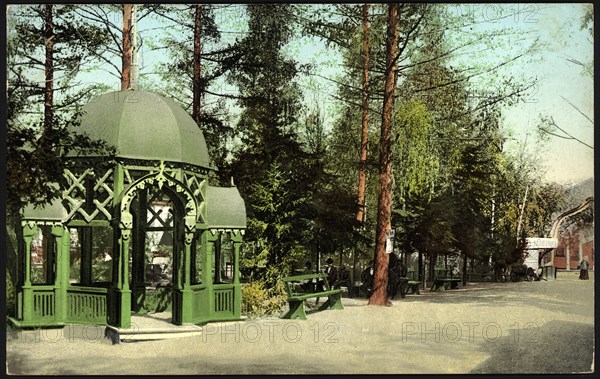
(443, 280)
(301, 287)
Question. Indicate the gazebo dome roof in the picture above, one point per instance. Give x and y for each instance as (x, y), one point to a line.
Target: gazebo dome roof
(143, 125)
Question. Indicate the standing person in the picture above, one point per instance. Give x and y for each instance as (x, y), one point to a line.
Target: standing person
(584, 267)
(367, 279)
(331, 271)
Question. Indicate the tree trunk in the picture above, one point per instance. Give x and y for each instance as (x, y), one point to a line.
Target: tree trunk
(318, 265)
(421, 276)
(49, 70)
(521, 212)
(431, 267)
(354, 258)
(464, 271)
(127, 48)
(197, 88)
(14, 262)
(362, 167)
(384, 206)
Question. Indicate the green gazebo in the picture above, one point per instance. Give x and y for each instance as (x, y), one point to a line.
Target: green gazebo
(138, 231)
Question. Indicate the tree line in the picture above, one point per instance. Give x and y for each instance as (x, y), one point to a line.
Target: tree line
(412, 148)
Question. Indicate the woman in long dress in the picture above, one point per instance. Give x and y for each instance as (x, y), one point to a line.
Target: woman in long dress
(584, 267)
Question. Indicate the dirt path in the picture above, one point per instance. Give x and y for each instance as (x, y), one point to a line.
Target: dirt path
(525, 327)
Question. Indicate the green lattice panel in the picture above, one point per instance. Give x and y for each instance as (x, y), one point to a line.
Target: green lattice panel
(75, 194)
(197, 184)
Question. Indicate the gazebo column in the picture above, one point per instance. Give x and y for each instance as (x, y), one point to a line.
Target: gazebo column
(86, 256)
(187, 306)
(123, 291)
(217, 253)
(29, 233)
(208, 240)
(62, 271)
(237, 241)
(114, 298)
(139, 253)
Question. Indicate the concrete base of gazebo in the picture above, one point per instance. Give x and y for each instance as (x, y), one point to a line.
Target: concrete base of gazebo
(148, 327)
(151, 326)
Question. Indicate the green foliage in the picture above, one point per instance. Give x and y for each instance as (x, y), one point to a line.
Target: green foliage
(102, 270)
(274, 225)
(38, 275)
(414, 163)
(75, 44)
(427, 226)
(587, 20)
(260, 300)
(75, 270)
(13, 234)
(275, 174)
(11, 294)
(544, 201)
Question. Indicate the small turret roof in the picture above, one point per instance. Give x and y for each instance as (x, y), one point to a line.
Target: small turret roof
(225, 208)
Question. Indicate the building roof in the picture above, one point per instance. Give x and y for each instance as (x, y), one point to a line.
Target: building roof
(225, 208)
(49, 212)
(143, 125)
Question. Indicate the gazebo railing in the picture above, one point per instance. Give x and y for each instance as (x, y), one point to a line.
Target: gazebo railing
(218, 305)
(44, 308)
(224, 297)
(86, 305)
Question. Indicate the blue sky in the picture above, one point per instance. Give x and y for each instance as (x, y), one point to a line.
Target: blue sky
(567, 160)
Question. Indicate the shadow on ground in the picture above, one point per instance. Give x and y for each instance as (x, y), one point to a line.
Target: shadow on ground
(536, 350)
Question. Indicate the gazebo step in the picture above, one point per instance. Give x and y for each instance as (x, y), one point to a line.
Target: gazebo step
(153, 326)
(117, 335)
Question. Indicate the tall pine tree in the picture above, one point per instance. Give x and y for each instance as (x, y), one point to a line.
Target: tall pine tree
(272, 171)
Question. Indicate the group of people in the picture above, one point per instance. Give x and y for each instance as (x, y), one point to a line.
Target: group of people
(337, 277)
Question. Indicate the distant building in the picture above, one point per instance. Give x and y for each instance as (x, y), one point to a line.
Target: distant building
(576, 231)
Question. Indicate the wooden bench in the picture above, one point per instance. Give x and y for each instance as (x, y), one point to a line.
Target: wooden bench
(443, 280)
(297, 294)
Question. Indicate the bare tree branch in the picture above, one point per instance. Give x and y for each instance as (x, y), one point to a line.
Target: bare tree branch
(104, 20)
(578, 110)
(551, 122)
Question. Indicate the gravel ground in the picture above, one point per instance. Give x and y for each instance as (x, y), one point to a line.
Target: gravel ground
(524, 327)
